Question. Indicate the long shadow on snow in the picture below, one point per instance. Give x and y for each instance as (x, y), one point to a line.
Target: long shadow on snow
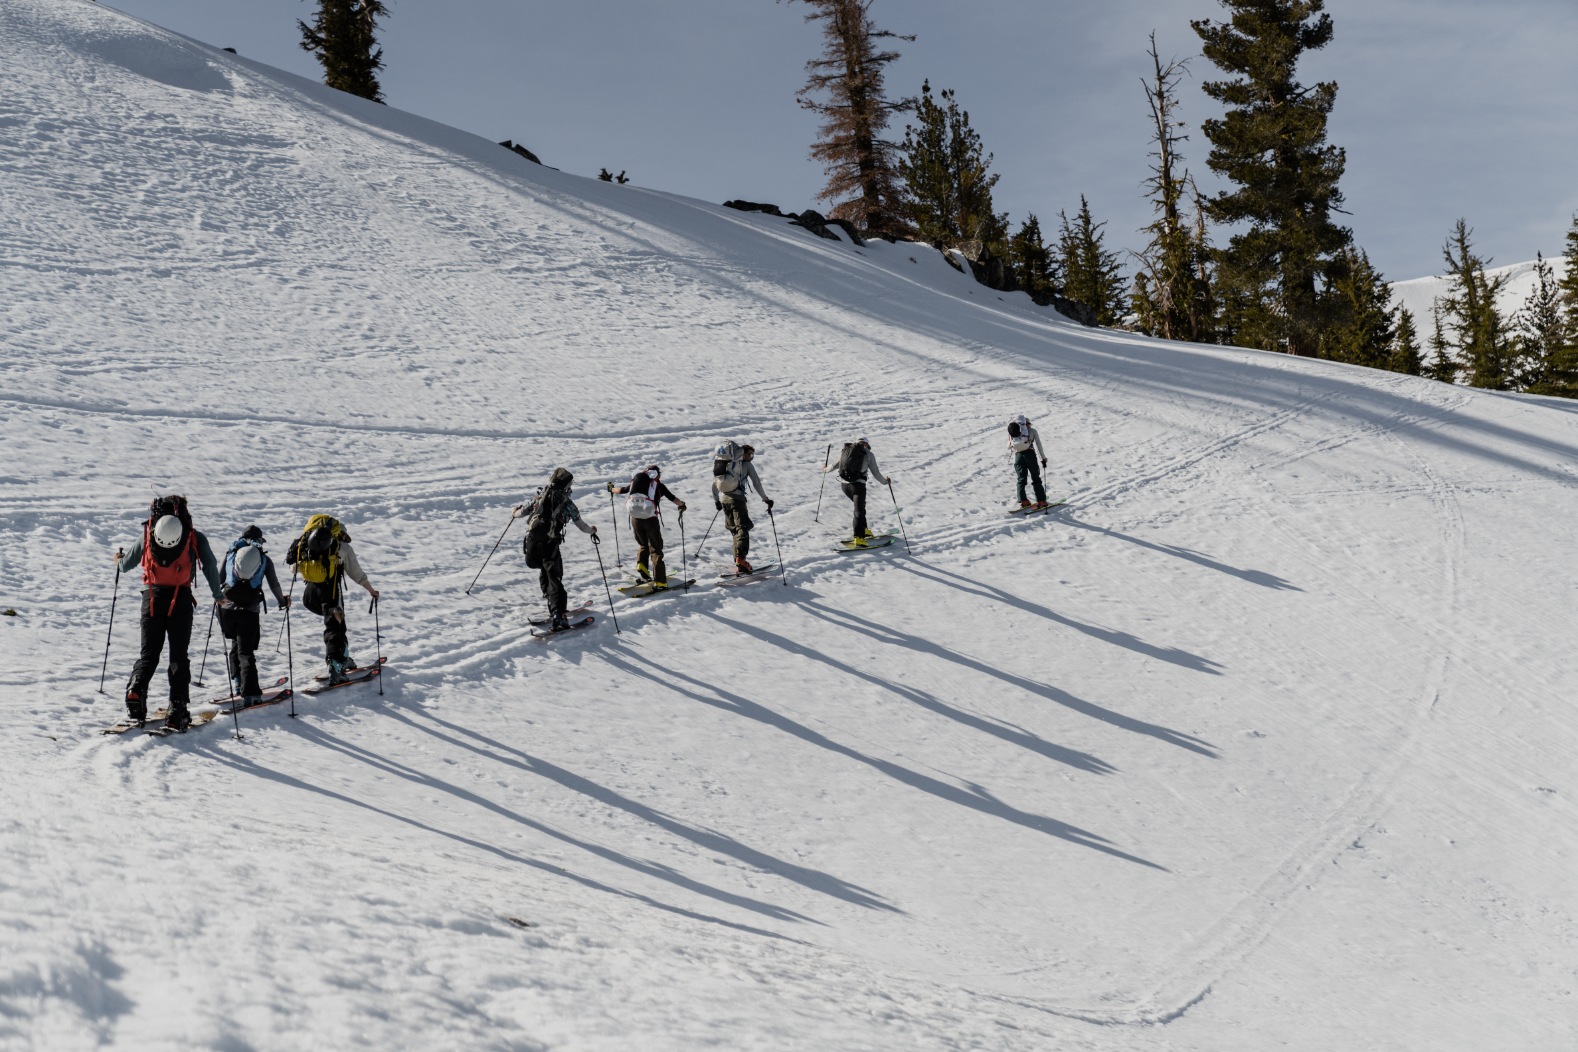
(1083, 761)
(975, 797)
(704, 838)
(1172, 655)
(411, 775)
(1260, 577)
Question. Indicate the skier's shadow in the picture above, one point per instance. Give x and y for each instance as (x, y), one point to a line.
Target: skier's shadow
(936, 574)
(1260, 577)
(974, 796)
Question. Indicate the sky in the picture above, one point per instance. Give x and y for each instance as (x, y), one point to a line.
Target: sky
(1446, 108)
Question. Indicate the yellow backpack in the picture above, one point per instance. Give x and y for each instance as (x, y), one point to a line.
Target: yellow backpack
(315, 571)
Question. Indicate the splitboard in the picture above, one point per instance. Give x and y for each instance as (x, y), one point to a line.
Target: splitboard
(635, 591)
(588, 619)
(1037, 509)
(353, 677)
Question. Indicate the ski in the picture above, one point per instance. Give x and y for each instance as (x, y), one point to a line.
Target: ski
(159, 714)
(198, 719)
(354, 676)
(871, 544)
(323, 677)
(1036, 509)
(635, 591)
(758, 574)
(547, 619)
(272, 696)
(588, 619)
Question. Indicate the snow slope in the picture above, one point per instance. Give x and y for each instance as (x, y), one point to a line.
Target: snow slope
(1420, 294)
(1265, 742)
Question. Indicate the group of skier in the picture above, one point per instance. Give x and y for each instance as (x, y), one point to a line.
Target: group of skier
(172, 550)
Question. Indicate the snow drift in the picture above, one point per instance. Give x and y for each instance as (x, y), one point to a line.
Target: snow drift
(1264, 741)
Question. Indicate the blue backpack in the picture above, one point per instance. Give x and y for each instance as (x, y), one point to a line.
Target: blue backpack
(244, 591)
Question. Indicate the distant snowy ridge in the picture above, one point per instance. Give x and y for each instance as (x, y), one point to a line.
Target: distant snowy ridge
(1419, 294)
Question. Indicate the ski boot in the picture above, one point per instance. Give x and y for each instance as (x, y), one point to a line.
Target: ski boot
(861, 542)
(641, 571)
(741, 566)
(336, 672)
(660, 586)
(1024, 504)
(560, 623)
(179, 719)
(136, 707)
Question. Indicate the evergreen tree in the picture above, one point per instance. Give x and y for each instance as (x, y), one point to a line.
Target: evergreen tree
(1271, 144)
(1168, 299)
(1473, 321)
(1363, 323)
(845, 88)
(343, 36)
(1091, 274)
(1546, 351)
(1405, 346)
(1033, 261)
(947, 176)
(1442, 366)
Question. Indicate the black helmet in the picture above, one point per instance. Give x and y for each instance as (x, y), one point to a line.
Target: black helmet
(319, 541)
(252, 533)
(562, 478)
(654, 471)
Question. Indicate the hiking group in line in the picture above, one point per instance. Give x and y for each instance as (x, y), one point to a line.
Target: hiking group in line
(172, 550)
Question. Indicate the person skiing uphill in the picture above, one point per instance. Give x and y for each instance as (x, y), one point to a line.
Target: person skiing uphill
(645, 489)
(1025, 443)
(732, 468)
(247, 568)
(546, 517)
(323, 556)
(169, 553)
(854, 465)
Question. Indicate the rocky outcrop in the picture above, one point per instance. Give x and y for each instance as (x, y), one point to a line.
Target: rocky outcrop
(518, 148)
(810, 219)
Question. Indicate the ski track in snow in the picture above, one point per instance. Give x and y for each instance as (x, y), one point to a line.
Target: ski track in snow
(1241, 720)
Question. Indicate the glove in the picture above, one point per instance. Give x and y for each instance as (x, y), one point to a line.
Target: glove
(769, 502)
(681, 506)
(284, 604)
(519, 511)
(717, 504)
(1043, 461)
(372, 591)
(610, 487)
(594, 535)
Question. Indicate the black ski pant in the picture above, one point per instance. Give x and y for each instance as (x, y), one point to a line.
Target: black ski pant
(244, 629)
(856, 491)
(737, 517)
(166, 615)
(551, 579)
(327, 600)
(649, 535)
(1025, 464)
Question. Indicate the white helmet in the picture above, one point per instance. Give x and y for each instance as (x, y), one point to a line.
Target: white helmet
(167, 531)
(249, 560)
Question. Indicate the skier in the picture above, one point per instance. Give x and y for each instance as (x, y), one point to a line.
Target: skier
(546, 516)
(1025, 443)
(169, 553)
(854, 464)
(732, 467)
(323, 556)
(645, 490)
(246, 568)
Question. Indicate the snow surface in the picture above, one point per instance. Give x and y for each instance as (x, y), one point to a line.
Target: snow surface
(1265, 742)
(1420, 294)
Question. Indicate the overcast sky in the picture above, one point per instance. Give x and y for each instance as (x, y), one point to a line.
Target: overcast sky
(1447, 108)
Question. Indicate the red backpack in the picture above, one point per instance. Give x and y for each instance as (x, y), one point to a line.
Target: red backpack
(169, 567)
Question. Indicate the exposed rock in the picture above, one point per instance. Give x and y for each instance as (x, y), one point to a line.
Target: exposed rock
(752, 206)
(518, 148)
(815, 222)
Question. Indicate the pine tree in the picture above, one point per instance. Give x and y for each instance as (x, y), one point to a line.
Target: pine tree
(1271, 144)
(947, 176)
(1473, 321)
(1033, 261)
(1404, 357)
(1363, 322)
(1168, 299)
(1545, 346)
(1091, 274)
(845, 88)
(1442, 366)
(343, 36)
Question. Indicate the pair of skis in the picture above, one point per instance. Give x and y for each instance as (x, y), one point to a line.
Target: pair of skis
(157, 723)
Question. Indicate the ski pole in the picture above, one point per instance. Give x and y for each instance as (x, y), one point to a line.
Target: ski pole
(283, 628)
(783, 571)
(120, 554)
(290, 647)
(378, 642)
(684, 563)
(211, 612)
(235, 688)
(707, 534)
(828, 456)
(496, 544)
(613, 509)
(900, 516)
(597, 546)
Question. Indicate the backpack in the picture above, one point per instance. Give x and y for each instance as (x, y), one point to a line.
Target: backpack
(244, 591)
(169, 567)
(1019, 438)
(642, 505)
(315, 571)
(544, 526)
(852, 462)
(724, 459)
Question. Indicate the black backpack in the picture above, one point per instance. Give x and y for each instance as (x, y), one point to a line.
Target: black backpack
(852, 462)
(544, 530)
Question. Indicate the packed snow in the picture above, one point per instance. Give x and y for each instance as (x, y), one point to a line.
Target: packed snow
(1264, 741)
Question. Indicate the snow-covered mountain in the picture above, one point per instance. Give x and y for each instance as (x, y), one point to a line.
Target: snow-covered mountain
(1265, 742)
(1420, 294)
